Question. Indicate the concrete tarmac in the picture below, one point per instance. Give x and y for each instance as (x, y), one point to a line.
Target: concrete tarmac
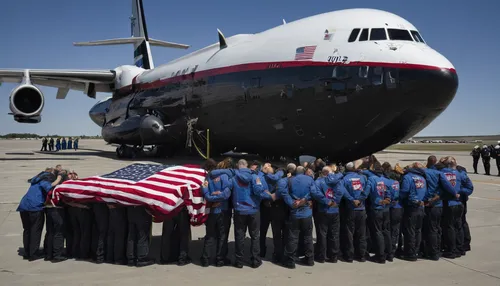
(20, 160)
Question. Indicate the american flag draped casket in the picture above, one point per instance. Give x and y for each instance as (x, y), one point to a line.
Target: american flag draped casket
(163, 189)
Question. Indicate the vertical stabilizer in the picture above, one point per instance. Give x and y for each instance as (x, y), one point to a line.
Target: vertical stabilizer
(142, 50)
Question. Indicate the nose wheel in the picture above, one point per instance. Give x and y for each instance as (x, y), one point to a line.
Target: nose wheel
(124, 151)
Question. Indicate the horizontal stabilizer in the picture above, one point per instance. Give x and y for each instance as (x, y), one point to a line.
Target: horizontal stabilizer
(131, 40)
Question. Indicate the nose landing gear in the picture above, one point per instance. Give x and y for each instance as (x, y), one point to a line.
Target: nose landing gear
(124, 151)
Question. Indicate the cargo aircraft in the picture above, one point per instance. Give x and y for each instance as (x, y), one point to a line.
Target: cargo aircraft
(342, 85)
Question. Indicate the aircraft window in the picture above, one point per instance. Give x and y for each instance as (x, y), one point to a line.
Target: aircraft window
(363, 71)
(354, 35)
(340, 72)
(364, 35)
(378, 76)
(178, 72)
(377, 34)
(417, 37)
(399, 34)
(194, 69)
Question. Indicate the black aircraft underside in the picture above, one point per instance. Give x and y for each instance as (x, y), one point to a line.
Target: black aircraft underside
(339, 112)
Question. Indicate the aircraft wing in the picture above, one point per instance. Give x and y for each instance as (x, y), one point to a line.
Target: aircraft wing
(64, 80)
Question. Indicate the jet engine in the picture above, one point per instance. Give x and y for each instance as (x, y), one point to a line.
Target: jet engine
(26, 103)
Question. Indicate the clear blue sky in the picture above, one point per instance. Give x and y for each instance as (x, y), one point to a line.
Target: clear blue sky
(39, 34)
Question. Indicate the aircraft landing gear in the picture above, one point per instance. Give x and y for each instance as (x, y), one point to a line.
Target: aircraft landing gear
(124, 151)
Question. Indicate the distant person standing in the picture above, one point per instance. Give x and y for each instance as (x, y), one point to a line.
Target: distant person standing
(486, 156)
(44, 144)
(51, 144)
(476, 154)
(496, 154)
(58, 144)
(63, 143)
(70, 143)
(75, 144)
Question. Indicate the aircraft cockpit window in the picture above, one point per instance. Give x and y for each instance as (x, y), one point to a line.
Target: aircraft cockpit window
(354, 35)
(417, 37)
(363, 72)
(399, 34)
(364, 35)
(378, 34)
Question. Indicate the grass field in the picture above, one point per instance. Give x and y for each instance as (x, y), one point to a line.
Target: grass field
(437, 146)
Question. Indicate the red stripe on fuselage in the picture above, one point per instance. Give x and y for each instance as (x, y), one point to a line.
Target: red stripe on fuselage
(269, 65)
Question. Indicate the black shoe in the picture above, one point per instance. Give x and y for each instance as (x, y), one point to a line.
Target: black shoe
(290, 265)
(130, 263)
(35, 257)
(219, 263)
(204, 262)
(143, 263)
(467, 248)
(390, 258)
(332, 260)
(59, 259)
(362, 259)
(238, 265)
(347, 260)
(307, 261)
(184, 261)
(276, 259)
(256, 264)
(47, 258)
(320, 260)
(410, 258)
(433, 258)
(377, 259)
(449, 255)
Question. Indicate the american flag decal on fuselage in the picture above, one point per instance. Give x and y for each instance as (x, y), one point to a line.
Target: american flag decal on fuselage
(305, 53)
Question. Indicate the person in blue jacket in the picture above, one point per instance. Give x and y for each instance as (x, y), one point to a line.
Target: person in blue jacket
(70, 143)
(75, 144)
(216, 190)
(58, 144)
(297, 192)
(453, 210)
(332, 188)
(380, 199)
(395, 209)
(413, 190)
(465, 192)
(277, 213)
(32, 214)
(355, 220)
(63, 144)
(436, 185)
(248, 192)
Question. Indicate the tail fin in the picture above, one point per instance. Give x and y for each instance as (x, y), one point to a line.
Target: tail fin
(139, 38)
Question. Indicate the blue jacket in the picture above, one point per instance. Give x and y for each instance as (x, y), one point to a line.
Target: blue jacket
(332, 188)
(223, 184)
(393, 189)
(377, 192)
(34, 199)
(296, 188)
(247, 193)
(414, 187)
(272, 180)
(467, 186)
(455, 179)
(355, 184)
(436, 184)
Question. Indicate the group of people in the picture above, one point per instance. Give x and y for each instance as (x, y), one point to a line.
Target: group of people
(486, 153)
(365, 207)
(59, 144)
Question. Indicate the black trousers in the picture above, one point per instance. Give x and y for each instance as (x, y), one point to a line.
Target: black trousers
(100, 234)
(228, 216)
(413, 220)
(328, 242)
(355, 233)
(278, 225)
(68, 232)
(297, 226)
(475, 160)
(215, 233)
(139, 233)
(265, 221)
(380, 232)
(396, 217)
(175, 238)
(81, 221)
(117, 235)
(465, 227)
(55, 233)
(498, 164)
(486, 163)
(32, 233)
(454, 233)
(432, 231)
(241, 223)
